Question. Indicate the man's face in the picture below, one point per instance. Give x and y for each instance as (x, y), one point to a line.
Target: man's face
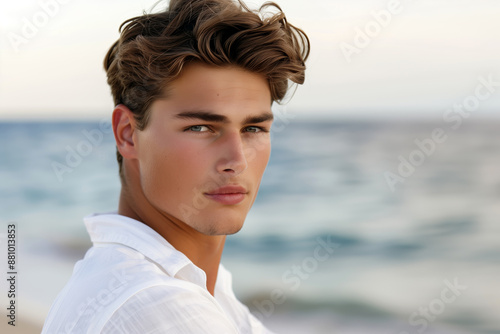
(202, 155)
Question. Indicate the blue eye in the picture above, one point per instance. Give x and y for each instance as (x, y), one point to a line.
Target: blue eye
(198, 128)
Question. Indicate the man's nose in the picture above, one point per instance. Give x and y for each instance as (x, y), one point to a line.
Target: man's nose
(232, 158)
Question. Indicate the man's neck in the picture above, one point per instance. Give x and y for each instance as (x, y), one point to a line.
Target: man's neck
(203, 250)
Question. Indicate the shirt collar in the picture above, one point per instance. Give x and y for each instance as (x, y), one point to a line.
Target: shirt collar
(114, 228)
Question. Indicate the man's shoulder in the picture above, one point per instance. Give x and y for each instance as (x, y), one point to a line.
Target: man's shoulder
(119, 266)
(108, 277)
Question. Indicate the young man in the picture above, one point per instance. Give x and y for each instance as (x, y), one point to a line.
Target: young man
(193, 88)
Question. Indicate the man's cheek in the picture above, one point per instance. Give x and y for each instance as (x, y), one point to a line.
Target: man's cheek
(261, 160)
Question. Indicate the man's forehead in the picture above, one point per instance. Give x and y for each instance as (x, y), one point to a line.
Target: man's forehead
(217, 94)
(211, 77)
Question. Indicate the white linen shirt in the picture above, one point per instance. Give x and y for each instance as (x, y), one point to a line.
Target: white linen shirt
(133, 281)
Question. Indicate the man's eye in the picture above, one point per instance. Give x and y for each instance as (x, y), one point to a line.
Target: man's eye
(198, 128)
(254, 129)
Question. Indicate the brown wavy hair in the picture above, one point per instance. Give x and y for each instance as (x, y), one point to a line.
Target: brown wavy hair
(153, 48)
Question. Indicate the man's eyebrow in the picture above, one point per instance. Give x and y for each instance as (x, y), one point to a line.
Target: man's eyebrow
(211, 117)
(203, 115)
(264, 117)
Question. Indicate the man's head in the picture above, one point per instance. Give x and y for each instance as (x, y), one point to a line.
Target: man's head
(193, 88)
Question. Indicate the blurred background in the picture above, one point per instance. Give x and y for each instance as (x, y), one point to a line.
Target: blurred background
(388, 158)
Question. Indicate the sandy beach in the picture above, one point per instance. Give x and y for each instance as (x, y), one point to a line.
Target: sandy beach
(22, 327)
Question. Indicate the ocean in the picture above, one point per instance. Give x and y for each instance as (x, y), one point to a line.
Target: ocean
(359, 227)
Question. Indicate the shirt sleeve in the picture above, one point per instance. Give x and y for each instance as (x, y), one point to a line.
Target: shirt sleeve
(168, 310)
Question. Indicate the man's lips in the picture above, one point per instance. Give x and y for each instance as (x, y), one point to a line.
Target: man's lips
(228, 195)
(228, 190)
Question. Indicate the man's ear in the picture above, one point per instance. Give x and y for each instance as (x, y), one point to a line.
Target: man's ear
(123, 129)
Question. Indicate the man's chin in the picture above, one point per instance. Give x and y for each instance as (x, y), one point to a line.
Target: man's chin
(221, 229)
(236, 229)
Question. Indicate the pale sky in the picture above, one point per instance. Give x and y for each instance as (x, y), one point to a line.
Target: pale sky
(425, 57)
